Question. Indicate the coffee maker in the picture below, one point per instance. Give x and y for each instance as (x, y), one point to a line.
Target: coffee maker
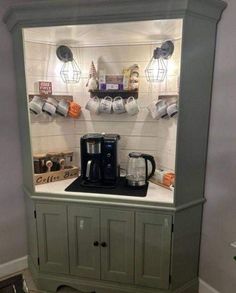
(100, 165)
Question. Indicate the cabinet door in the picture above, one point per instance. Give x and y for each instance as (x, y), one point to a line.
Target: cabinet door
(152, 250)
(52, 237)
(84, 241)
(117, 245)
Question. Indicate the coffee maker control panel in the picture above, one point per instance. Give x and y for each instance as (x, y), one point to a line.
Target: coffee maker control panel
(110, 158)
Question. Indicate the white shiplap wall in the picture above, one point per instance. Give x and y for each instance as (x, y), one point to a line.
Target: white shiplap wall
(138, 133)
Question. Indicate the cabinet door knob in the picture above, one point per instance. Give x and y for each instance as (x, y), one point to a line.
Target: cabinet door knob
(103, 244)
(95, 243)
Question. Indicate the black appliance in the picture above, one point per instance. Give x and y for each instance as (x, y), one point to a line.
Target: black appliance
(99, 159)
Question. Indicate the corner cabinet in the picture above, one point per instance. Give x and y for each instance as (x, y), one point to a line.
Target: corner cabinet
(104, 245)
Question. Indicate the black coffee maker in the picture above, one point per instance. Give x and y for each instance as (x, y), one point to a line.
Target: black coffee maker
(99, 159)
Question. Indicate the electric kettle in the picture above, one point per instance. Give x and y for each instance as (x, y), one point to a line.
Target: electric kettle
(137, 173)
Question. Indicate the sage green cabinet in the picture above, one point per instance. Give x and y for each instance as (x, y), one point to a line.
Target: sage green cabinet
(117, 245)
(109, 257)
(125, 246)
(84, 235)
(152, 250)
(52, 237)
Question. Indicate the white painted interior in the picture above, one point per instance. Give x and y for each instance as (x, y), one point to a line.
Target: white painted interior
(138, 133)
(138, 32)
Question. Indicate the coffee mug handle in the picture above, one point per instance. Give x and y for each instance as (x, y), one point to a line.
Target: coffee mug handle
(117, 98)
(96, 98)
(130, 98)
(108, 98)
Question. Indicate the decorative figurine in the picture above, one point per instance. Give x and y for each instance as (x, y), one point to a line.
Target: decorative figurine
(92, 83)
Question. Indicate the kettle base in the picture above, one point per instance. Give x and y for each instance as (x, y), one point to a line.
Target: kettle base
(135, 183)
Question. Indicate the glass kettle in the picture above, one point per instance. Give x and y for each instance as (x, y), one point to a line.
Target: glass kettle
(137, 173)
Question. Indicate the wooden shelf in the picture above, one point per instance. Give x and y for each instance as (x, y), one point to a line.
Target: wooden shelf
(125, 94)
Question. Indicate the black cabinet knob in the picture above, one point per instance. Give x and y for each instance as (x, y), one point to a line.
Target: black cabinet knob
(103, 244)
(95, 243)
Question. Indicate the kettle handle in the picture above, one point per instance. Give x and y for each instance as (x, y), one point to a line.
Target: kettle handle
(150, 159)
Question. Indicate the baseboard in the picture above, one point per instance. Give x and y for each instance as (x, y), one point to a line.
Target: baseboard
(14, 266)
(205, 288)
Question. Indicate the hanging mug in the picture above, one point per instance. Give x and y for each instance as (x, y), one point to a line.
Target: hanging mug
(118, 105)
(93, 105)
(62, 108)
(36, 105)
(106, 105)
(131, 106)
(158, 109)
(50, 106)
(172, 109)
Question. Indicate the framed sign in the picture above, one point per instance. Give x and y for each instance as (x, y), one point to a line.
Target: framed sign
(45, 88)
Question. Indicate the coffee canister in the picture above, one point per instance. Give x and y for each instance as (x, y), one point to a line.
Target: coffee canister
(68, 157)
(40, 163)
(55, 157)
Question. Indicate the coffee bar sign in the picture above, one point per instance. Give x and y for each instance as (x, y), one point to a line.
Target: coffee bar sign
(45, 88)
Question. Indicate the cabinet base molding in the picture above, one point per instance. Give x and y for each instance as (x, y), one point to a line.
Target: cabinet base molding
(52, 282)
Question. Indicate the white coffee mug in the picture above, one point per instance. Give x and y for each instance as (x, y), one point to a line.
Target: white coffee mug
(93, 105)
(62, 108)
(158, 109)
(106, 105)
(118, 105)
(50, 106)
(172, 109)
(36, 105)
(131, 106)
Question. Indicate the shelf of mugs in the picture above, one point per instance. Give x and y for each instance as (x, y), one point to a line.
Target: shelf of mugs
(125, 94)
(54, 105)
(109, 105)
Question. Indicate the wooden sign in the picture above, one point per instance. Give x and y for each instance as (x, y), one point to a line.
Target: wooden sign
(45, 88)
(56, 175)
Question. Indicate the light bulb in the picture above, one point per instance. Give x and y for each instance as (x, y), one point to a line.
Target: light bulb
(70, 72)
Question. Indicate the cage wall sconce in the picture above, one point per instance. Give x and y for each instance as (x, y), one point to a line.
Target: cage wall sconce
(70, 71)
(157, 68)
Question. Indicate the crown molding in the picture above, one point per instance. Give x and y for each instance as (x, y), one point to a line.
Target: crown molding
(66, 12)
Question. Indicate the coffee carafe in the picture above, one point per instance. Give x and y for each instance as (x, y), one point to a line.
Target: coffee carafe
(137, 173)
(91, 157)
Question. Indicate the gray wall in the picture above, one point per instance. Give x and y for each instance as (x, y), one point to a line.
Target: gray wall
(12, 214)
(217, 266)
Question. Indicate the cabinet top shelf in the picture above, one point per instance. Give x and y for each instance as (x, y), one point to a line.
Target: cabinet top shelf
(156, 195)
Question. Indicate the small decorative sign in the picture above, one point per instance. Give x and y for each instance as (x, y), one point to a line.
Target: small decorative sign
(45, 88)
